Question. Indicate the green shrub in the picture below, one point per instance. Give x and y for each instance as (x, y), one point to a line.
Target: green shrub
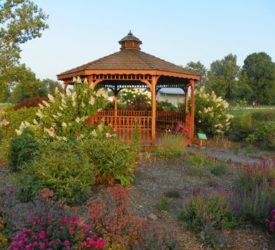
(171, 146)
(23, 149)
(168, 107)
(113, 159)
(198, 164)
(14, 119)
(198, 212)
(256, 191)
(163, 204)
(256, 130)
(219, 170)
(264, 115)
(63, 168)
(172, 194)
(263, 135)
(241, 127)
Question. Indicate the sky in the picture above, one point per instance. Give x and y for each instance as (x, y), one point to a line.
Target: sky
(178, 31)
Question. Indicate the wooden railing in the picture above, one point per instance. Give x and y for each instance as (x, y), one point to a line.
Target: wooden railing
(124, 122)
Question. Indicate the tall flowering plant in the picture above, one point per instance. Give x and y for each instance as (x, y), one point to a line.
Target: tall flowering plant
(270, 222)
(211, 113)
(134, 98)
(65, 115)
(48, 232)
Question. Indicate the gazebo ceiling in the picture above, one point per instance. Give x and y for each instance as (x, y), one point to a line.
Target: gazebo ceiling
(129, 60)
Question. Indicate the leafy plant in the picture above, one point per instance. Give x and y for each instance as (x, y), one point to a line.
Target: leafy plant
(171, 146)
(63, 168)
(219, 169)
(198, 164)
(201, 211)
(13, 120)
(113, 218)
(173, 194)
(49, 232)
(256, 191)
(211, 237)
(30, 102)
(112, 159)
(3, 237)
(263, 135)
(163, 204)
(23, 149)
(270, 222)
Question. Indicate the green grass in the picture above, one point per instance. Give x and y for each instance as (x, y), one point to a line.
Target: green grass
(5, 105)
(242, 111)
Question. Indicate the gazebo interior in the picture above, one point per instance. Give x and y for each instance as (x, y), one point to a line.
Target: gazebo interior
(132, 68)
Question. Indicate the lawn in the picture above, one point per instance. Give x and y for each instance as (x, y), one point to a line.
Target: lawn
(249, 110)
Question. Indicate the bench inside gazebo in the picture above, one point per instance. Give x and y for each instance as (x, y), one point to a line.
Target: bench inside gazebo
(132, 68)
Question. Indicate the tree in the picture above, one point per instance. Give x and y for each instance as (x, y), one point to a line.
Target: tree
(49, 86)
(259, 70)
(223, 77)
(198, 67)
(26, 85)
(20, 21)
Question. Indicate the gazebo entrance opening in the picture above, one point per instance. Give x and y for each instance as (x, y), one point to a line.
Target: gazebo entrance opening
(125, 122)
(132, 68)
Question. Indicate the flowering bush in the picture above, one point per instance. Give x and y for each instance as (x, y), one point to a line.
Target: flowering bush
(201, 211)
(65, 115)
(270, 222)
(49, 232)
(10, 120)
(136, 99)
(211, 113)
(256, 191)
(113, 218)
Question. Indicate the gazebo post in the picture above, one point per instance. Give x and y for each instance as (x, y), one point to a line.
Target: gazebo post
(115, 107)
(65, 87)
(154, 107)
(186, 99)
(192, 128)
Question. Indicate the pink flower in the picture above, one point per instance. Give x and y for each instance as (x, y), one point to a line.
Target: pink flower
(42, 235)
(66, 243)
(42, 245)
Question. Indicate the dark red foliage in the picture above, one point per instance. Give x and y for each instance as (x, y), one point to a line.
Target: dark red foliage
(31, 102)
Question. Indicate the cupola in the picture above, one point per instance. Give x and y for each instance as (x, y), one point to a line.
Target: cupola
(130, 42)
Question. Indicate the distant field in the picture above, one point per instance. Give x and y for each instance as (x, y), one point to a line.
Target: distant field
(246, 110)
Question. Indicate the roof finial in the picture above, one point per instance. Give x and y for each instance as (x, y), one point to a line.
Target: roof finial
(130, 33)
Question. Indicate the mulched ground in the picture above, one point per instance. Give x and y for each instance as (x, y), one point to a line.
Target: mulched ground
(154, 178)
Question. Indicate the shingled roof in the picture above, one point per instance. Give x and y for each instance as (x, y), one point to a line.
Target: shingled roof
(130, 58)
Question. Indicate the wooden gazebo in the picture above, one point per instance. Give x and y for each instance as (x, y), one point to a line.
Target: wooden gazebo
(128, 68)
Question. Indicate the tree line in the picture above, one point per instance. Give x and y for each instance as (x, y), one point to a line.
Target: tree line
(253, 82)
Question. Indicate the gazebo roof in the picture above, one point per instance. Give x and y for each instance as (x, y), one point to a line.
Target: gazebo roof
(129, 58)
